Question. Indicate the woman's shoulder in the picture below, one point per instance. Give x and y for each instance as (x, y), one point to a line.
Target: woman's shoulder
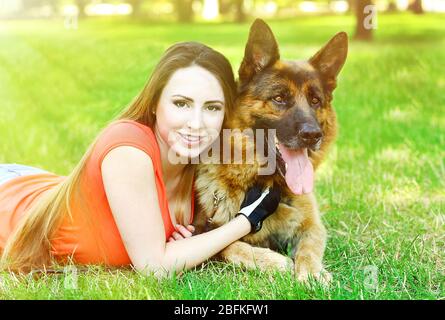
(126, 133)
(126, 127)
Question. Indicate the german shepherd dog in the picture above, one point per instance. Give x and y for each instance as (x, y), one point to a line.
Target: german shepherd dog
(294, 98)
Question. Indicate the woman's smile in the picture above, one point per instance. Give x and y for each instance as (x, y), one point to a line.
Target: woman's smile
(191, 140)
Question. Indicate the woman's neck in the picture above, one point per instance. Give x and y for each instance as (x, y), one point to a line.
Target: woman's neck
(170, 171)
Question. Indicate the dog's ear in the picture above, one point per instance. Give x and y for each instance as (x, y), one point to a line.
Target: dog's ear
(330, 59)
(261, 51)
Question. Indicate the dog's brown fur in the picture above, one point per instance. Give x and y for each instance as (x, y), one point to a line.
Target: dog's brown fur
(297, 220)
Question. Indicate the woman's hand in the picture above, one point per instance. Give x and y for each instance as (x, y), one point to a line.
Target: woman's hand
(259, 204)
(182, 232)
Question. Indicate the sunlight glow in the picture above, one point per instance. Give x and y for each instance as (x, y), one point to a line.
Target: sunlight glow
(266, 9)
(402, 4)
(434, 5)
(400, 114)
(271, 7)
(397, 155)
(308, 6)
(104, 9)
(339, 6)
(70, 10)
(7, 6)
(210, 10)
(403, 195)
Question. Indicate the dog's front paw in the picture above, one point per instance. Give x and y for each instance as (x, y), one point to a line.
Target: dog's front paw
(268, 260)
(323, 276)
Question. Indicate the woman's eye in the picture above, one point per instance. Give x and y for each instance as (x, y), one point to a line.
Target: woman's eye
(180, 103)
(214, 108)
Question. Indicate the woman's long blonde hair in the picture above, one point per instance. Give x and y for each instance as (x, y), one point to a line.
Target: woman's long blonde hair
(29, 246)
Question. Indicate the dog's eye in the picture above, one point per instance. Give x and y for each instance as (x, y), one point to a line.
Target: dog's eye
(278, 99)
(315, 101)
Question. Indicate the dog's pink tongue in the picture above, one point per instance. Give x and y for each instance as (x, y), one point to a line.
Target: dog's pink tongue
(300, 172)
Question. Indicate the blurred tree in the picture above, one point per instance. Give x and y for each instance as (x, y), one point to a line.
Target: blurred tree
(233, 7)
(136, 6)
(81, 4)
(351, 5)
(224, 6)
(29, 4)
(184, 10)
(416, 6)
(391, 6)
(54, 6)
(240, 14)
(361, 31)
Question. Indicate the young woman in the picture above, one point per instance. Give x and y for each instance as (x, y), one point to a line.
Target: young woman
(126, 202)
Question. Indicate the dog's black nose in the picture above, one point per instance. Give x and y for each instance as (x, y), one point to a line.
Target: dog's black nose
(310, 134)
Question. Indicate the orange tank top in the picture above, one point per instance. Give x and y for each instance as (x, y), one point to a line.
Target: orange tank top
(87, 241)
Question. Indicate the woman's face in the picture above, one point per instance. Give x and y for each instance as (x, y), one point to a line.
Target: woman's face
(190, 111)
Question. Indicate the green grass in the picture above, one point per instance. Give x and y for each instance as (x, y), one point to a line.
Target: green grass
(381, 189)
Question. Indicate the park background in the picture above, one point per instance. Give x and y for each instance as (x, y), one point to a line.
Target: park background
(68, 67)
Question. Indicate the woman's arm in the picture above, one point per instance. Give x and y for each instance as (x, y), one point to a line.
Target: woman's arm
(189, 252)
(129, 182)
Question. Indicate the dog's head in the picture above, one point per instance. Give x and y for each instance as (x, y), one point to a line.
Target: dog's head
(292, 97)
